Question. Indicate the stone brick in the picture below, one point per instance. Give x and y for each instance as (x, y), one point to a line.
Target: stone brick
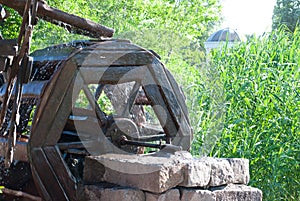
(149, 173)
(93, 192)
(197, 195)
(234, 192)
(93, 170)
(196, 172)
(170, 195)
(240, 169)
(221, 172)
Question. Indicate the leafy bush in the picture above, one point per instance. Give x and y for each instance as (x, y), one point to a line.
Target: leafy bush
(261, 82)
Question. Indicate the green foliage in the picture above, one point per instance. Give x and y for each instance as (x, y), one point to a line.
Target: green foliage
(190, 19)
(10, 27)
(286, 12)
(187, 18)
(261, 85)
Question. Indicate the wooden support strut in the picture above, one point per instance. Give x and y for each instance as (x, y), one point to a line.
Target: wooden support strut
(73, 23)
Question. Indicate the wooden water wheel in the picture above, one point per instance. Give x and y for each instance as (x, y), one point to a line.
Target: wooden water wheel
(106, 96)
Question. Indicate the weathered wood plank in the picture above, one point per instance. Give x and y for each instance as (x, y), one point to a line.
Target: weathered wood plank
(168, 94)
(46, 174)
(3, 63)
(88, 126)
(115, 45)
(184, 135)
(63, 112)
(113, 58)
(39, 185)
(152, 92)
(63, 174)
(112, 75)
(51, 103)
(171, 96)
(20, 150)
(8, 47)
(180, 97)
(73, 23)
(30, 90)
(76, 145)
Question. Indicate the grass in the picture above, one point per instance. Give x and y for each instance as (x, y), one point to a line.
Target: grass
(257, 112)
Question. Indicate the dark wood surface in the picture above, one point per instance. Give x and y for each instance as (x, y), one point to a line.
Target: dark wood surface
(47, 177)
(8, 47)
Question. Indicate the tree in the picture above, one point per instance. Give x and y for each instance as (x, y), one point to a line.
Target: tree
(286, 12)
(187, 18)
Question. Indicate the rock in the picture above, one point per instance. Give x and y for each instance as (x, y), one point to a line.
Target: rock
(196, 173)
(149, 173)
(221, 172)
(171, 151)
(197, 195)
(93, 171)
(235, 192)
(93, 192)
(240, 169)
(170, 195)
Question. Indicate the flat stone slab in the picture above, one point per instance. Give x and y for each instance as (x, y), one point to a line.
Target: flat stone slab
(197, 172)
(93, 192)
(231, 192)
(221, 172)
(235, 192)
(240, 167)
(153, 174)
(160, 172)
(197, 195)
(170, 195)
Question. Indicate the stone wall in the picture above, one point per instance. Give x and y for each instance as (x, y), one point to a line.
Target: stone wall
(167, 177)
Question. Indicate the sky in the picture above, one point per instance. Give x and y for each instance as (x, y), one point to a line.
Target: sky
(248, 16)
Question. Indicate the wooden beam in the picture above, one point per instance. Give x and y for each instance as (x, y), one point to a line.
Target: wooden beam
(72, 23)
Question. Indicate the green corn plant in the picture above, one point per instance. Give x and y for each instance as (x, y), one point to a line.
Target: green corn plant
(261, 84)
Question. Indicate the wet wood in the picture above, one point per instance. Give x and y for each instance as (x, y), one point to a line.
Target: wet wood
(167, 92)
(39, 185)
(131, 99)
(95, 107)
(177, 90)
(52, 112)
(47, 176)
(76, 147)
(115, 45)
(70, 145)
(153, 93)
(8, 47)
(20, 151)
(30, 90)
(112, 75)
(58, 123)
(4, 61)
(170, 94)
(20, 194)
(88, 128)
(113, 58)
(57, 116)
(61, 171)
